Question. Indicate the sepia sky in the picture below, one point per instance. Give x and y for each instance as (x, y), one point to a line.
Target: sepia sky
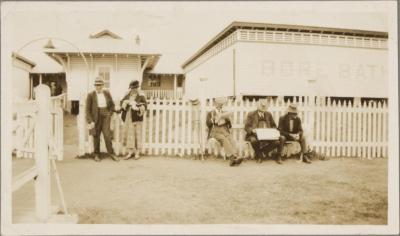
(175, 29)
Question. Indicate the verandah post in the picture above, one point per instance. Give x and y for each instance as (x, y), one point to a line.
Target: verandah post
(42, 183)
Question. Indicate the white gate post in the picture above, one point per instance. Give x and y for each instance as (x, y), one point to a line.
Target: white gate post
(42, 183)
(82, 126)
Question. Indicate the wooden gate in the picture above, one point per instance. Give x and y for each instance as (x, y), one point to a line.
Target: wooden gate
(38, 141)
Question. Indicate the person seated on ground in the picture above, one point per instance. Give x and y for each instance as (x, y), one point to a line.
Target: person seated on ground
(291, 129)
(219, 124)
(257, 119)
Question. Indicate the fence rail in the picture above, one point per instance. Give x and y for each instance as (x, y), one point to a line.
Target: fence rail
(177, 127)
(24, 121)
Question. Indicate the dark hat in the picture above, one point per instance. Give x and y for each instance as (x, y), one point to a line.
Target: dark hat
(134, 84)
(99, 81)
(292, 108)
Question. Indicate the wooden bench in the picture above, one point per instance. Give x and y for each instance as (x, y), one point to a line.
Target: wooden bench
(290, 148)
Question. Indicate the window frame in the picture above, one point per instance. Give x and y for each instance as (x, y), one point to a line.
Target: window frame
(107, 83)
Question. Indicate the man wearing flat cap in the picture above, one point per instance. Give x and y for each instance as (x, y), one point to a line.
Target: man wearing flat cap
(99, 108)
(219, 124)
(291, 129)
(259, 119)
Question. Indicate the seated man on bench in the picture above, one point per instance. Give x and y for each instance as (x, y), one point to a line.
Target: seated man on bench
(219, 125)
(291, 129)
(257, 119)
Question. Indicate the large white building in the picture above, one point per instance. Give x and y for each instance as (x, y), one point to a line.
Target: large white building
(257, 59)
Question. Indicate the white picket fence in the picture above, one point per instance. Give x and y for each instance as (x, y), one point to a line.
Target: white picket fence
(24, 120)
(177, 127)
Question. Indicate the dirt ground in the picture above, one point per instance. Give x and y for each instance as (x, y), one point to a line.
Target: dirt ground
(184, 191)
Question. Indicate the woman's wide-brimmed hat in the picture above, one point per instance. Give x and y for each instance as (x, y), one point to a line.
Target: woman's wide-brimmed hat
(292, 108)
(134, 84)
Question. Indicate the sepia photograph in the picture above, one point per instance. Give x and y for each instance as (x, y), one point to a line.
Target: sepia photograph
(199, 117)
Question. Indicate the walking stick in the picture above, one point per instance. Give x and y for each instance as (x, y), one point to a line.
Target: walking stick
(201, 132)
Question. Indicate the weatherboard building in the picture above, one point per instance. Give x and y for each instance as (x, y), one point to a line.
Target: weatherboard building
(257, 59)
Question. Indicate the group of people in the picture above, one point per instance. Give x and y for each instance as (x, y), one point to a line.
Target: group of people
(289, 126)
(100, 107)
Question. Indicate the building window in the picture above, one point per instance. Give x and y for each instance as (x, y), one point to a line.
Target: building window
(374, 100)
(293, 99)
(180, 82)
(154, 81)
(104, 72)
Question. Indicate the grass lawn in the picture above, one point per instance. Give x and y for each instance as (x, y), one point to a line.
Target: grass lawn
(184, 191)
(172, 190)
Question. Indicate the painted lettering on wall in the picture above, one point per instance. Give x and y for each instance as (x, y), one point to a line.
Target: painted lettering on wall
(315, 70)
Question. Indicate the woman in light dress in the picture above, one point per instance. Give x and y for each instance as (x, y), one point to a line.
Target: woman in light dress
(133, 107)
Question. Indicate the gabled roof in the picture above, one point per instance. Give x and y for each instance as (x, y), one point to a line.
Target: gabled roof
(281, 27)
(23, 59)
(103, 33)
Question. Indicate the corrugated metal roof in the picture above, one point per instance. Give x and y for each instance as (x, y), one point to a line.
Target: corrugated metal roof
(280, 27)
(105, 46)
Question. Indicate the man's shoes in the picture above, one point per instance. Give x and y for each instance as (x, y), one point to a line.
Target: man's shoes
(129, 156)
(97, 158)
(279, 159)
(137, 156)
(239, 161)
(114, 157)
(232, 161)
(306, 160)
(259, 160)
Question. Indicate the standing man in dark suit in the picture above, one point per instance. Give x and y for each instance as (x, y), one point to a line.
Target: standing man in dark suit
(99, 108)
(291, 129)
(261, 118)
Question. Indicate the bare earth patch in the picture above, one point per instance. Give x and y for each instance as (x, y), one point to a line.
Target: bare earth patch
(173, 190)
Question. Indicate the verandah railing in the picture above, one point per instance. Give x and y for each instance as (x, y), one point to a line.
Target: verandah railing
(177, 127)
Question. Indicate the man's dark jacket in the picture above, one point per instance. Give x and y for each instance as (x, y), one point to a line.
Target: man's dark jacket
(252, 122)
(284, 126)
(92, 110)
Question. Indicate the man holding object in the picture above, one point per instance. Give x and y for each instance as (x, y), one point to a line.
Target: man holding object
(291, 129)
(219, 124)
(260, 119)
(99, 108)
